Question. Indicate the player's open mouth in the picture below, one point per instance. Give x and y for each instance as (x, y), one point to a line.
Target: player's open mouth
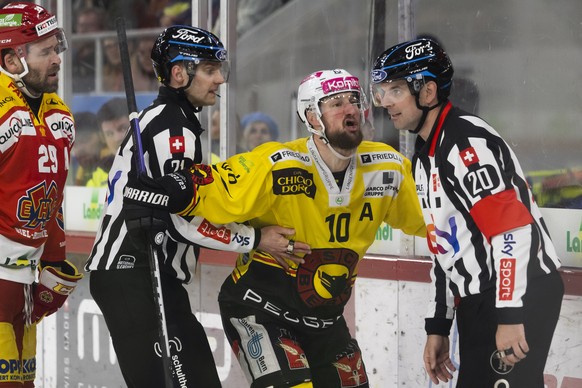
(350, 123)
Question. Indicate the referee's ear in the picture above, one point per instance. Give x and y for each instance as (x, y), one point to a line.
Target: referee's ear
(178, 76)
(429, 94)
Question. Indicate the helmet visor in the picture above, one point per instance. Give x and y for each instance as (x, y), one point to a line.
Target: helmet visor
(339, 102)
(225, 69)
(192, 64)
(62, 44)
(391, 92)
(59, 47)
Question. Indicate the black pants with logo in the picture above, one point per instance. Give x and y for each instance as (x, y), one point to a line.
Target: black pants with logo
(477, 324)
(277, 346)
(125, 298)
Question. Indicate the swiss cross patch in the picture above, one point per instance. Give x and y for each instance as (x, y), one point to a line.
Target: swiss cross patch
(469, 156)
(177, 145)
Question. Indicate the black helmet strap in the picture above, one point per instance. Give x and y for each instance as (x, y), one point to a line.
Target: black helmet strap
(425, 110)
(181, 92)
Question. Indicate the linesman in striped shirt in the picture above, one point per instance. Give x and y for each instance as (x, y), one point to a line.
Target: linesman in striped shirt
(494, 265)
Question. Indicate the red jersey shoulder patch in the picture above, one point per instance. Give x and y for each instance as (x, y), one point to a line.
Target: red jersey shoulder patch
(177, 145)
(469, 156)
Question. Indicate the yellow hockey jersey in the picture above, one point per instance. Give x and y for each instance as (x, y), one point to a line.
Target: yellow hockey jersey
(290, 185)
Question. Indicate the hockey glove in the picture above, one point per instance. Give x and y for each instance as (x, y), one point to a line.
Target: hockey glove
(53, 288)
(173, 193)
(141, 217)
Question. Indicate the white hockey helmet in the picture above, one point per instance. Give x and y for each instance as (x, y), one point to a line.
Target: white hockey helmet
(322, 84)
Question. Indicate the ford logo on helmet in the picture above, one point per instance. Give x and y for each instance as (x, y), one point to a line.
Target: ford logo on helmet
(221, 55)
(378, 76)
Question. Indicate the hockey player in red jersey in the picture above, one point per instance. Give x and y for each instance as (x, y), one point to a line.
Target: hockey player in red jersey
(36, 136)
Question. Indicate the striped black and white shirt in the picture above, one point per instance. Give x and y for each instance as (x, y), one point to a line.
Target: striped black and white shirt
(170, 135)
(484, 228)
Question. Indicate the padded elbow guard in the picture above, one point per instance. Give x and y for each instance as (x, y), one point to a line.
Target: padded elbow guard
(53, 288)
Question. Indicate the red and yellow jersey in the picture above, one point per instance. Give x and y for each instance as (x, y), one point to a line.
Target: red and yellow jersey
(34, 162)
(290, 185)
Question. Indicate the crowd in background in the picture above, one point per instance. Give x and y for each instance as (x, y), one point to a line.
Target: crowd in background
(98, 16)
(94, 151)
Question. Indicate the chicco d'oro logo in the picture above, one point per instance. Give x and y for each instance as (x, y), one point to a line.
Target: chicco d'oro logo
(327, 276)
(293, 181)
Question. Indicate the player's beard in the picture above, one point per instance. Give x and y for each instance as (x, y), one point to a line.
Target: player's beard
(37, 84)
(345, 140)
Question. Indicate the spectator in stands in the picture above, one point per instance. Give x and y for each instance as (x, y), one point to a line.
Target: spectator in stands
(88, 20)
(175, 13)
(113, 118)
(257, 128)
(91, 155)
(112, 71)
(144, 79)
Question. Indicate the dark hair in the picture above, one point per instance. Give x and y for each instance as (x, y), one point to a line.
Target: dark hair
(86, 123)
(112, 109)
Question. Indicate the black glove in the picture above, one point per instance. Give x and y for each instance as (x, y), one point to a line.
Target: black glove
(170, 193)
(139, 217)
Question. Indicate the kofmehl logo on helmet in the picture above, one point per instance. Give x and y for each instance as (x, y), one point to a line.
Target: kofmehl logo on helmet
(46, 26)
(340, 84)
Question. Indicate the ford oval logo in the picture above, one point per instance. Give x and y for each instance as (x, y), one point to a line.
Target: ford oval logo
(221, 55)
(378, 76)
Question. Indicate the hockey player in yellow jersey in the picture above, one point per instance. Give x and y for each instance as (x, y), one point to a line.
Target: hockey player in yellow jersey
(285, 323)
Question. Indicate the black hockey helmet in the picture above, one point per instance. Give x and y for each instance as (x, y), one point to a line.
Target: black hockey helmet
(414, 61)
(186, 43)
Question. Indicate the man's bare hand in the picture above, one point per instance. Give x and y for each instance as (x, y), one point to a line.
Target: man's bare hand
(511, 343)
(437, 362)
(274, 241)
